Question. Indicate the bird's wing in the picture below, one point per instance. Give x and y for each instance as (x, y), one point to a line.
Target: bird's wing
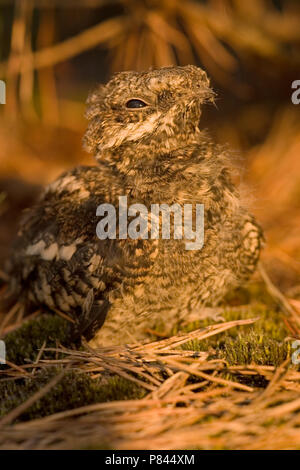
(58, 260)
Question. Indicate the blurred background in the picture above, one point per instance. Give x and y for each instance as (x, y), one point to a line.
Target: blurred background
(53, 51)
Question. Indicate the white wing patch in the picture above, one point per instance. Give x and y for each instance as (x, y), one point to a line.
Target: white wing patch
(53, 251)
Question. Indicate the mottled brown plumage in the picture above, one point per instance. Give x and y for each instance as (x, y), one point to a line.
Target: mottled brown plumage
(156, 153)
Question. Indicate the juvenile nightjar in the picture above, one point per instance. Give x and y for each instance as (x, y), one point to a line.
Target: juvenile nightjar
(145, 134)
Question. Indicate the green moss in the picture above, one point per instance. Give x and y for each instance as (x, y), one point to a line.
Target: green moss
(270, 321)
(254, 348)
(74, 390)
(269, 325)
(22, 345)
(118, 388)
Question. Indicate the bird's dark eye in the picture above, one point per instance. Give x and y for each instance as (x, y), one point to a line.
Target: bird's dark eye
(135, 104)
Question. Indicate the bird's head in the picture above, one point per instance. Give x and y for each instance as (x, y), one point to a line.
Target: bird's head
(156, 108)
